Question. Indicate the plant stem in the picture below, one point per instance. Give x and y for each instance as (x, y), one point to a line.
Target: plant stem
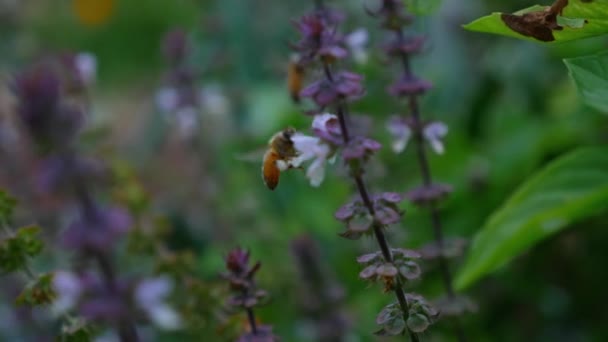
(252, 324)
(425, 171)
(342, 111)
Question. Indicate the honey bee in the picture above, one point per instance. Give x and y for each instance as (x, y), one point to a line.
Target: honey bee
(276, 159)
(295, 78)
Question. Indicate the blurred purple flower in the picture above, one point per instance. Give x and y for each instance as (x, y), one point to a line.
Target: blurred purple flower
(345, 85)
(399, 46)
(360, 148)
(408, 85)
(97, 231)
(319, 38)
(48, 120)
(175, 46)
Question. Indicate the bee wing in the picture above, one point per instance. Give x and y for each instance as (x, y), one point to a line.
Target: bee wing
(253, 156)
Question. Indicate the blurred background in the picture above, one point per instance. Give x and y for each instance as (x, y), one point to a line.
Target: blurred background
(510, 107)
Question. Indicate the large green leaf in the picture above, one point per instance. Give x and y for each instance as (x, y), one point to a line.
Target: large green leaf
(590, 73)
(572, 187)
(578, 19)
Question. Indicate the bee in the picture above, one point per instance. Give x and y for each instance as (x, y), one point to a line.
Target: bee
(277, 158)
(295, 78)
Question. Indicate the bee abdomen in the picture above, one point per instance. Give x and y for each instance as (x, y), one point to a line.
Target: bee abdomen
(270, 170)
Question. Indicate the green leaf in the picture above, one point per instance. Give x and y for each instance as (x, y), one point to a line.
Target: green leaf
(39, 292)
(15, 250)
(578, 19)
(590, 73)
(572, 187)
(7, 204)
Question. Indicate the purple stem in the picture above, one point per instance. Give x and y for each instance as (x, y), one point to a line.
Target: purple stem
(342, 111)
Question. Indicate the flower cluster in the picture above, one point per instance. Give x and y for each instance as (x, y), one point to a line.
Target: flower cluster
(358, 219)
(89, 294)
(378, 269)
(321, 43)
(245, 295)
(421, 315)
(408, 86)
(180, 99)
(53, 118)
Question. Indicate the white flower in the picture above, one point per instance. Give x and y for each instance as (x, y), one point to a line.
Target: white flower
(401, 133)
(68, 289)
(186, 120)
(434, 133)
(356, 42)
(86, 65)
(320, 121)
(311, 148)
(150, 295)
(167, 99)
(214, 101)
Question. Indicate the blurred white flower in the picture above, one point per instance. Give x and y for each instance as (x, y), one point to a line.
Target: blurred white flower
(167, 99)
(214, 101)
(150, 296)
(356, 42)
(68, 288)
(186, 120)
(434, 133)
(86, 65)
(401, 133)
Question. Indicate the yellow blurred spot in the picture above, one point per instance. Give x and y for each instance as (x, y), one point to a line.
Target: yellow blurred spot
(93, 12)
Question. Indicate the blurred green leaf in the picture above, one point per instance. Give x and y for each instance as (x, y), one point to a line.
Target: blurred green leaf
(15, 250)
(422, 7)
(39, 292)
(578, 19)
(590, 74)
(7, 204)
(571, 188)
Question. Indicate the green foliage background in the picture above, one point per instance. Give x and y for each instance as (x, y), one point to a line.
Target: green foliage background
(510, 106)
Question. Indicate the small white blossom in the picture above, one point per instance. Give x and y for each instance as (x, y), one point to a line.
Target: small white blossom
(186, 120)
(311, 148)
(150, 296)
(356, 42)
(86, 65)
(214, 101)
(320, 121)
(434, 133)
(401, 133)
(167, 99)
(68, 288)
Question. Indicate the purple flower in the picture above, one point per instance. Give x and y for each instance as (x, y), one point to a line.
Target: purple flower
(175, 46)
(428, 193)
(360, 148)
(409, 45)
(408, 85)
(40, 107)
(97, 231)
(319, 38)
(345, 85)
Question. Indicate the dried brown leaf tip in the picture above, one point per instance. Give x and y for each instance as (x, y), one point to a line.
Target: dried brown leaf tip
(539, 24)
